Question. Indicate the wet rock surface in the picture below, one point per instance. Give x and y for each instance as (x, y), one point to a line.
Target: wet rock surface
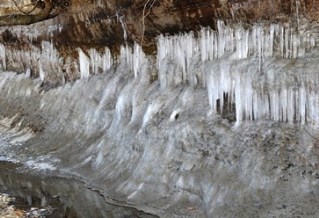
(45, 196)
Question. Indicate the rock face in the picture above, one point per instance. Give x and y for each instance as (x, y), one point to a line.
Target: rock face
(112, 22)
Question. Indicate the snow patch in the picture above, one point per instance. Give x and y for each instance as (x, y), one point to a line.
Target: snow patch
(42, 166)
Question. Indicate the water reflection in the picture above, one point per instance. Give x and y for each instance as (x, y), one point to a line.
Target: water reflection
(69, 198)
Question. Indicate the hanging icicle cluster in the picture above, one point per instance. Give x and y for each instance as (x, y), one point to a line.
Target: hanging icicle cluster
(265, 70)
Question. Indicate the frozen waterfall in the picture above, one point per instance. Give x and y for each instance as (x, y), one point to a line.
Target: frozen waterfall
(241, 64)
(264, 71)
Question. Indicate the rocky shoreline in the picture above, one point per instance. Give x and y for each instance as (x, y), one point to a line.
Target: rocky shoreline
(8, 209)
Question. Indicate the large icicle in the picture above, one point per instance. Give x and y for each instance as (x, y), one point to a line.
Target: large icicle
(84, 64)
(2, 57)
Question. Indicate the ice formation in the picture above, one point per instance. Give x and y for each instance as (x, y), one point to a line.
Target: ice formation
(84, 62)
(240, 64)
(266, 71)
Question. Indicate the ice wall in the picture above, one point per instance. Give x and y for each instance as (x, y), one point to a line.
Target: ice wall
(233, 43)
(267, 71)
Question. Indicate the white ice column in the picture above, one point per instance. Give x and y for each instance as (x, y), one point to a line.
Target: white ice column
(107, 59)
(84, 64)
(2, 57)
(302, 104)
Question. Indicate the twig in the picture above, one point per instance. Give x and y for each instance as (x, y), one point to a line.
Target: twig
(21, 9)
(145, 15)
(310, 134)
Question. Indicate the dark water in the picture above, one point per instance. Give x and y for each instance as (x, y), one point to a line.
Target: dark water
(68, 197)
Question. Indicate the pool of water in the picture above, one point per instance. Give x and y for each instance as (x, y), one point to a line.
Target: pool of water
(68, 197)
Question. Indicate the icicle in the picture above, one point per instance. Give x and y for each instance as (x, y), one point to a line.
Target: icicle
(204, 35)
(291, 105)
(302, 104)
(271, 41)
(41, 73)
(99, 62)
(260, 47)
(28, 73)
(84, 65)
(177, 55)
(221, 39)
(286, 40)
(137, 59)
(2, 57)
(239, 97)
(95, 61)
(107, 60)
(283, 109)
(291, 44)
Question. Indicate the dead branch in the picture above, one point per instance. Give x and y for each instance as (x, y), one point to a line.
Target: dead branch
(23, 17)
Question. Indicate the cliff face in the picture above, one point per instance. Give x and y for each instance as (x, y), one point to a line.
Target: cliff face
(112, 22)
(100, 23)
